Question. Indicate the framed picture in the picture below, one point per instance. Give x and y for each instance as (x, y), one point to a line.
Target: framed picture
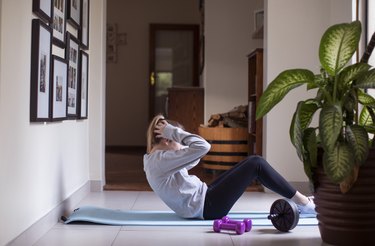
(74, 13)
(85, 23)
(111, 43)
(41, 50)
(258, 19)
(59, 22)
(43, 9)
(71, 54)
(59, 84)
(122, 38)
(83, 85)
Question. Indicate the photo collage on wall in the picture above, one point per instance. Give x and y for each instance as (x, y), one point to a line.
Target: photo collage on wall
(59, 85)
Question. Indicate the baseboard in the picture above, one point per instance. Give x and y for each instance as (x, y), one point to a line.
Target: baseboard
(43, 225)
(96, 186)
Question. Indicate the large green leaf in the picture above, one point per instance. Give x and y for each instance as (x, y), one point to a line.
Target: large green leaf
(318, 80)
(301, 120)
(365, 98)
(367, 81)
(330, 125)
(358, 140)
(338, 162)
(350, 74)
(365, 118)
(294, 133)
(338, 45)
(307, 111)
(370, 129)
(353, 72)
(310, 145)
(280, 86)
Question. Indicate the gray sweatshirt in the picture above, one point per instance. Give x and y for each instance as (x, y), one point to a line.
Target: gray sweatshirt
(167, 173)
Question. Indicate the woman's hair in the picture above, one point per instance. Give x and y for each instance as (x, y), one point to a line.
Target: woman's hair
(151, 136)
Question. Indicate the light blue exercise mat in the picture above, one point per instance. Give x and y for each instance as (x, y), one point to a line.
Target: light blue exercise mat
(165, 218)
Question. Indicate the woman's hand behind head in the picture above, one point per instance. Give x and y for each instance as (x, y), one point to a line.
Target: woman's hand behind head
(159, 128)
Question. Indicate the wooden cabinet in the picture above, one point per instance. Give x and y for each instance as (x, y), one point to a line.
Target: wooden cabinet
(186, 105)
(255, 87)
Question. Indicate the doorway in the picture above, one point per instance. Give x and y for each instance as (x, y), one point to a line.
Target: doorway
(174, 62)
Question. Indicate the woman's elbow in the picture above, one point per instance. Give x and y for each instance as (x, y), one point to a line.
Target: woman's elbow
(207, 147)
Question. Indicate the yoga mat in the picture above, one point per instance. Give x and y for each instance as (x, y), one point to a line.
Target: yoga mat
(107, 216)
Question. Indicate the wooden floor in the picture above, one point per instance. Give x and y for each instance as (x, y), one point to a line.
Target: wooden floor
(124, 171)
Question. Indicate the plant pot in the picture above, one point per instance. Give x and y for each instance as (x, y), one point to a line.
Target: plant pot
(347, 219)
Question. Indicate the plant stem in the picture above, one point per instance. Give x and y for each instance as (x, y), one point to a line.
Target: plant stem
(335, 89)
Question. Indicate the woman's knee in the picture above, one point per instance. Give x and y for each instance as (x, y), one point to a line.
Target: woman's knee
(255, 159)
(255, 162)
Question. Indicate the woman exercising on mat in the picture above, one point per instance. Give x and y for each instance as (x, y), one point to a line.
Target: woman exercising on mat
(171, 152)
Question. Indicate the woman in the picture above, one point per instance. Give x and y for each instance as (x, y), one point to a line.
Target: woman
(171, 152)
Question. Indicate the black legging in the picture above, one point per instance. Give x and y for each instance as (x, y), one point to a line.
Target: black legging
(229, 187)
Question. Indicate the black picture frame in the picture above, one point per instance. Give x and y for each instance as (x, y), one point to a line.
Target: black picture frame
(41, 50)
(83, 32)
(59, 22)
(83, 85)
(258, 19)
(72, 56)
(59, 88)
(43, 9)
(74, 13)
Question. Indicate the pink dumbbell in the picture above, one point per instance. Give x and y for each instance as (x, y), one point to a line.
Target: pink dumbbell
(248, 223)
(219, 225)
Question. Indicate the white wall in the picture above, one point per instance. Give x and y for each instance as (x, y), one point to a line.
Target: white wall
(97, 93)
(228, 28)
(42, 164)
(294, 29)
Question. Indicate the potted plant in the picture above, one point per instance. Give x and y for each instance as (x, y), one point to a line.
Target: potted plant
(336, 147)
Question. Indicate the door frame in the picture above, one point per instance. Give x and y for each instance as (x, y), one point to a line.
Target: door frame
(154, 27)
